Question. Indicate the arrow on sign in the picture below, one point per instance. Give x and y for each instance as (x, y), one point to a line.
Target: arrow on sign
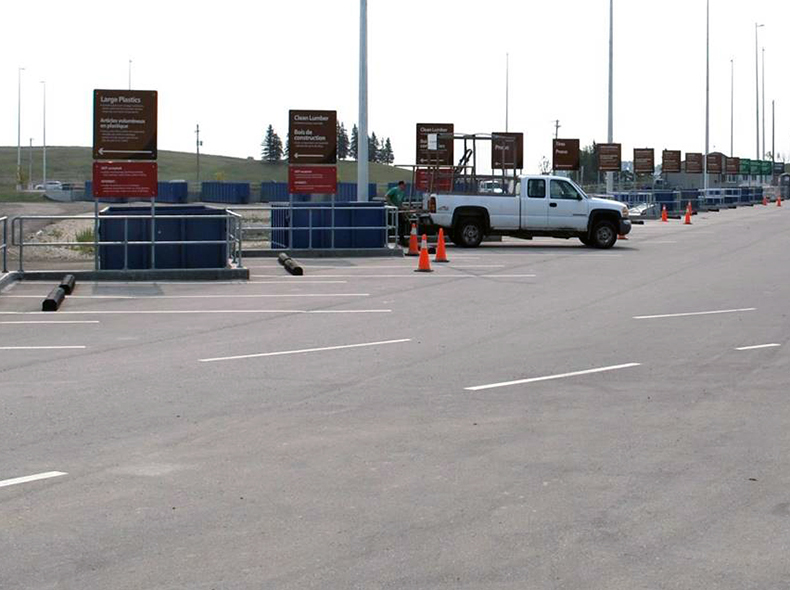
(297, 156)
(102, 151)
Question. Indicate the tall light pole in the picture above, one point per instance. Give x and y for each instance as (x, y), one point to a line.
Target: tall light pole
(44, 165)
(773, 131)
(732, 108)
(198, 143)
(19, 130)
(507, 91)
(130, 74)
(610, 175)
(362, 136)
(707, 96)
(757, 85)
(763, 155)
(30, 165)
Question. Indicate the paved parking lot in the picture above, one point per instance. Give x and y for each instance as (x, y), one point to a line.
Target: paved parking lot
(531, 415)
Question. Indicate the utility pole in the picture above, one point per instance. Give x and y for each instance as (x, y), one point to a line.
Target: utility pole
(507, 92)
(707, 96)
(44, 84)
(610, 175)
(30, 165)
(757, 85)
(19, 130)
(773, 132)
(198, 143)
(557, 129)
(362, 128)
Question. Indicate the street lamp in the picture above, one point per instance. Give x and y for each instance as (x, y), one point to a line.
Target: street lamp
(362, 141)
(707, 96)
(757, 85)
(30, 165)
(763, 104)
(610, 175)
(732, 108)
(19, 130)
(44, 86)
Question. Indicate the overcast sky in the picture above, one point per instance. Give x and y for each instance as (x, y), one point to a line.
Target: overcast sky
(236, 66)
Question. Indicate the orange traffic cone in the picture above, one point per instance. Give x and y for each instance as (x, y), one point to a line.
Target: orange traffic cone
(779, 201)
(765, 201)
(664, 216)
(688, 215)
(413, 246)
(441, 253)
(424, 264)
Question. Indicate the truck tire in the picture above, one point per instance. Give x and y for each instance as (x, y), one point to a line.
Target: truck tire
(604, 235)
(469, 232)
(585, 239)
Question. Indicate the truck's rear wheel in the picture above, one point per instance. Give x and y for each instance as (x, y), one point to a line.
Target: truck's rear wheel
(469, 232)
(604, 235)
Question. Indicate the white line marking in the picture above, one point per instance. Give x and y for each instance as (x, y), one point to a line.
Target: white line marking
(44, 322)
(695, 313)
(759, 347)
(509, 276)
(199, 311)
(42, 347)
(416, 275)
(256, 296)
(29, 478)
(662, 242)
(303, 351)
(552, 377)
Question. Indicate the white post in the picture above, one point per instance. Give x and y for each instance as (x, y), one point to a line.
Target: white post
(610, 175)
(763, 154)
(44, 85)
(707, 99)
(19, 131)
(130, 74)
(362, 135)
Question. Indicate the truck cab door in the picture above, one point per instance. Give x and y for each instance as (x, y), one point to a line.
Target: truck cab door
(568, 209)
(534, 203)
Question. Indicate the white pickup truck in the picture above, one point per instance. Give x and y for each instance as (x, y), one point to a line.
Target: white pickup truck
(540, 206)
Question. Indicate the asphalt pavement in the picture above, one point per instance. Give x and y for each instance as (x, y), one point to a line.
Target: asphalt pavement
(530, 415)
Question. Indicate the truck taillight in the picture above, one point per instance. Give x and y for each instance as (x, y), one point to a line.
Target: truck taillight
(432, 205)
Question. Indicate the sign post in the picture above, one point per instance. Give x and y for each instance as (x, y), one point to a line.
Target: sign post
(124, 152)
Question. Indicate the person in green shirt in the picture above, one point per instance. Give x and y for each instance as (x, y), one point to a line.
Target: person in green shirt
(396, 195)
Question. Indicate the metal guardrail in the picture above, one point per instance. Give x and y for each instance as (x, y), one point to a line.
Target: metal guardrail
(648, 204)
(4, 246)
(287, 211)
(233, 234)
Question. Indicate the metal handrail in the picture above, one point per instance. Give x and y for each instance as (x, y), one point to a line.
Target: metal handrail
(4, 246)
(232, 241)
(391, 223)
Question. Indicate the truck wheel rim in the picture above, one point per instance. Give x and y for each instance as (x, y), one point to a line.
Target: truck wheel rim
(470, 233)
(605, 235)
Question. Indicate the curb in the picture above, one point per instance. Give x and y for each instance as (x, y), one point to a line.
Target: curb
(315, 253)
(9, 278)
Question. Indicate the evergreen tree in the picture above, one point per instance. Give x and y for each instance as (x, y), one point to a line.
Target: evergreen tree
(272, 146)
(373, 148)
(354, 142)
(387, 155)
(342, 142)
(287, 152)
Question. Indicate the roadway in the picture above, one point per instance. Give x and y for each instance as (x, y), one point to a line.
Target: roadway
(531, 415)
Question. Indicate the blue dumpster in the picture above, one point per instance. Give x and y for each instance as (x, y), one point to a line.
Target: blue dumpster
(188, 226)
(364, 225)
(232, 193)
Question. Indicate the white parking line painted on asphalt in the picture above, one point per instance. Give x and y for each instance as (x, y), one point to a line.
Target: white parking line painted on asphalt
(552, 377)
(305, 350)
(693, 313)
(251, 296)
(43, 347)
(51, 323)
(759, 347)
(200, 311)
(28, 478)
(411, 274)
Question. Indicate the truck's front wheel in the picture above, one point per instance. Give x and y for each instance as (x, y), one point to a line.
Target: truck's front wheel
(469, 232)
(604, 235)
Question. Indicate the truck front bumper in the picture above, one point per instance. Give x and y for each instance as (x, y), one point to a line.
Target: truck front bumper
(625, 227)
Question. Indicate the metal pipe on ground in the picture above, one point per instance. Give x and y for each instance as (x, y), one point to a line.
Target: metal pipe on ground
(67, 284)
(53, 300)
